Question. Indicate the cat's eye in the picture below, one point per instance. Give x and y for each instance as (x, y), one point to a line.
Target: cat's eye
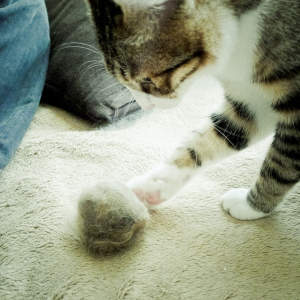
(147, 80)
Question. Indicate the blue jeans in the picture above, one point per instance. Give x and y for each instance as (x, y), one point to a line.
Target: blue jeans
(24, 51)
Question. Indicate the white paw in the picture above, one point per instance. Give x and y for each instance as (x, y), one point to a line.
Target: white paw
(235, 203)
(158, 185)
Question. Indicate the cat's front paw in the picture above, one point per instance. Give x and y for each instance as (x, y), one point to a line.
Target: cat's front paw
(149, 190)
(159, 185)
(235, 203)
(152, 191)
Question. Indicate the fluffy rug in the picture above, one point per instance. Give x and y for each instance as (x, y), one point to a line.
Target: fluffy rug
(190, 249)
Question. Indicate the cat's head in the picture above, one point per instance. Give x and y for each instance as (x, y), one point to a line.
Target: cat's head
(153, 46)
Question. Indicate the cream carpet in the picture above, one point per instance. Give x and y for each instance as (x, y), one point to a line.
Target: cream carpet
(190, 249)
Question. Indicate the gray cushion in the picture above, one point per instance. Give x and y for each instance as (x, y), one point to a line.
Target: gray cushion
(77, 80)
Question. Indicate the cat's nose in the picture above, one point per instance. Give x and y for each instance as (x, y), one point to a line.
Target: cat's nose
(164, 90)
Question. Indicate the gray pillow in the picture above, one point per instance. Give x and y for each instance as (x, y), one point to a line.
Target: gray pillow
(77, 80)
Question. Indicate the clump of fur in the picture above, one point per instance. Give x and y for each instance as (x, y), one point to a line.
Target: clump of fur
(109, 215)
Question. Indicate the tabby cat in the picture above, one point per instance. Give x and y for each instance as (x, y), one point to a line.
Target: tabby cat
(156, 48)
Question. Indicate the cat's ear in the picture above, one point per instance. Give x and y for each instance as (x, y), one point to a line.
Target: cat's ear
(107, 12)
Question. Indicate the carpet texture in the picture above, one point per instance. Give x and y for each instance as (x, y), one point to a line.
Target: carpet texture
(190, 249)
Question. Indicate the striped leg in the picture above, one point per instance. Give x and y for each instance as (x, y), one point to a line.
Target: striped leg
(279, 173)
(226, 133)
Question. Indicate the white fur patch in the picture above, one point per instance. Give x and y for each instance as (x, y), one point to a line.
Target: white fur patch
(235, 203)
(160, 184)
(241, 59)
(237, 73)
(148, 102)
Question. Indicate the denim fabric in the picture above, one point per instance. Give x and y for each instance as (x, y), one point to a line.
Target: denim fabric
(24, 51)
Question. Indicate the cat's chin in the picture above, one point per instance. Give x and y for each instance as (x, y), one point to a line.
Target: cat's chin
(148, 102)
(162, 103)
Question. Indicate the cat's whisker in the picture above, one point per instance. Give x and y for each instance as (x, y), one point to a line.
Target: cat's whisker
(87, 62)
(92, 66)
(80, 44)
(110, 86)
(88, 69)
(226, 130)
(221, 133)
(60, 48)
(96, 64)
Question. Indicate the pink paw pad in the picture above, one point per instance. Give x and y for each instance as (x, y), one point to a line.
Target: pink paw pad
(149, 198)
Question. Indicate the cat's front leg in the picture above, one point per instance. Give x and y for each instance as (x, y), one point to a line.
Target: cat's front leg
(225, 133)
(279, 173)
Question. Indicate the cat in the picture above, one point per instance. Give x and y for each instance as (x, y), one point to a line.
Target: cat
(157, 47)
